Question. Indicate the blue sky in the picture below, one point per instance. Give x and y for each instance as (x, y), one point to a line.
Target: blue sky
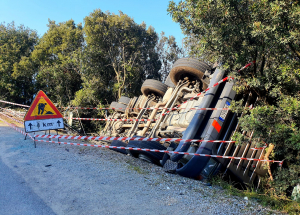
(35, 13)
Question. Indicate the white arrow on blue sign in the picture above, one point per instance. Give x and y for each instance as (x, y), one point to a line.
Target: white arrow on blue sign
(43, 124)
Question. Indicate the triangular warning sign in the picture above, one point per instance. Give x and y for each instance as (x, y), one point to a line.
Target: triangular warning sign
(42, 108)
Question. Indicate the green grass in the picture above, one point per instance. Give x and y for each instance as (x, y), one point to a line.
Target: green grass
(281, 204)
(137, 169)
(133, 167)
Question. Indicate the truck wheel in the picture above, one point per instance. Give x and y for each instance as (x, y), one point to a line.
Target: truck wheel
(119, 143)
(154, 86)
(113, 105)
(124, 100)
(154, 157)
(121, 108)
(169, 82)
(146, 158)
(133, 144)
(188, 67)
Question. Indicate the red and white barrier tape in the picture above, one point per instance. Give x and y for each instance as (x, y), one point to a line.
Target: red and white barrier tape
(95, 108)
(12, 112)
(161, 151)
(14, 104)
(93, 119)
(11, 118)
(151, 108)
(137, 149)
(247, 65)
(259, 148)
(17, 128)
(143, 120)
(70, 137)
(216, 84)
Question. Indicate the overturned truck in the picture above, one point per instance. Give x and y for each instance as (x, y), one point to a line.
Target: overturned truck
(158, 104)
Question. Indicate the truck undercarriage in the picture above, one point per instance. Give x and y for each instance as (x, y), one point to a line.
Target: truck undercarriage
(191, 120)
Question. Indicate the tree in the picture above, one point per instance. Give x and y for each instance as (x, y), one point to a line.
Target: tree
(125, 47)
(266, 32)
(238, 32)
(58, 57)
(168, 52)
(16, 70)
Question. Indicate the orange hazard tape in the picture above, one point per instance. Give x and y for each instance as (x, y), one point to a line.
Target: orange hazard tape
(137, 149)
(160, 151)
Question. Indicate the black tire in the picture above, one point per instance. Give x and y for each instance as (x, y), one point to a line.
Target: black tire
(121, 108)
(146, 158)
(133, 144)
(113, 105)
(154, 157)
(169, 82)
(124, 100)
(119, 143)
(188, 67)
(154, 86)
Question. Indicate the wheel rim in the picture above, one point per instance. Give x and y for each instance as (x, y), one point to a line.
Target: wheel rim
(145, 158)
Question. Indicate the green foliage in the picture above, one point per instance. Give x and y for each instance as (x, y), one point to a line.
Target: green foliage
(16, 70)
(58, 56)
(296, 193)
(267, 32)
(285, 180)
(261, 195)
(91, 66)
(238, 32)
(126, 51)
(282, 122)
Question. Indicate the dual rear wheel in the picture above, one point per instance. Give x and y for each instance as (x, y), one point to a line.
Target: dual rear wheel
(183, 68)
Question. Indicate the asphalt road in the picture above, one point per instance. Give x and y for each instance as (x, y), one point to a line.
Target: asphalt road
(16, 197)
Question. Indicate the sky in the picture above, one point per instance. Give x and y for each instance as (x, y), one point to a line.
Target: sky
(35, 13)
